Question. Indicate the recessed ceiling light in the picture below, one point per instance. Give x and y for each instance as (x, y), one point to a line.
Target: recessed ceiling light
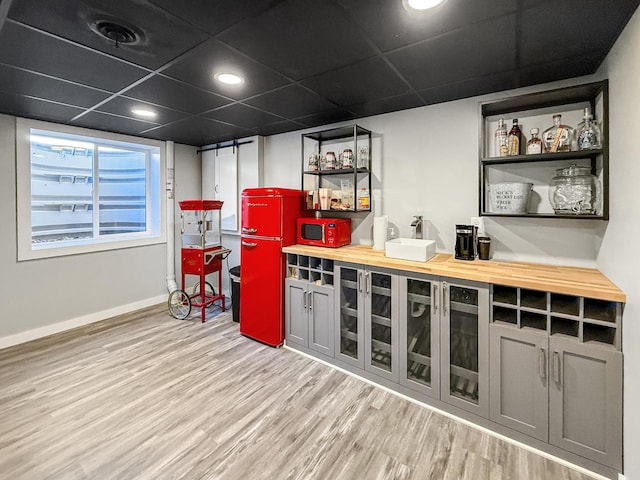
(419, 5)
(229, 78)
(141, 112)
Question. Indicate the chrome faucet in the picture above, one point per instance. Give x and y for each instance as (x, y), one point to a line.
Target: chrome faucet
(416, 226)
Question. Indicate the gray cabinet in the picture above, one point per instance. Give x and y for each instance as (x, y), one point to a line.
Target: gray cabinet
(585, 400)
(366, 317)
(464, 345)
(443, 332)
(419, 334)
(309, 304)
(519, 380)
(556, 370)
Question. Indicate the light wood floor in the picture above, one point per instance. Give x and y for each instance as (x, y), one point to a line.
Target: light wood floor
(145, 396)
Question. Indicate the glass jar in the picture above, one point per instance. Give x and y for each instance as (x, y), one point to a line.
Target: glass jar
(575, 191)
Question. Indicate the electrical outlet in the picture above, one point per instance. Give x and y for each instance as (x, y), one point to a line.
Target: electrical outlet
(479, 222)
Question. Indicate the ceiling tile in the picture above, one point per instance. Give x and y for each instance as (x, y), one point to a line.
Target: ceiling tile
(345, 85)
(112, 123)
(324, 118)
(198, 131)
(558, 70)
(391, 26)
(122, 106)
(565, 29)
(470, 88)
(300, 38)
(279, 127)
(26, 48)
(214, 16)
(459, 55)
(389, 104)
(291, 102)
(242, 116)
(35, 108)
(200, 65)
(164, 36)
(23, 82)
(177, 95)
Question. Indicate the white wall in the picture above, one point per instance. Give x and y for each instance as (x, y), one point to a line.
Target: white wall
(425, 161)
(250, 175)
(39, 297)
(618, 256)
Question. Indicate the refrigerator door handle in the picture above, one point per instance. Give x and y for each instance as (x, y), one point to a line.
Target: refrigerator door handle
(249, 244)
(249, 230)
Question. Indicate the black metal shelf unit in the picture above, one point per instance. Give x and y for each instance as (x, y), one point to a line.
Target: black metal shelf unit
(350, 136)
(533, 108)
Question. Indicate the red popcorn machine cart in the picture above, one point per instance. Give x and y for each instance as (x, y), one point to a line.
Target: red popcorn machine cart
(202, 254)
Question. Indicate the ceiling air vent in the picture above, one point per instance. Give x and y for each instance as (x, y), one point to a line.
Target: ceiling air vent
(116, 32)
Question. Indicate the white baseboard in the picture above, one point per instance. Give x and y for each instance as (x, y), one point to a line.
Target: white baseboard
(40, 332)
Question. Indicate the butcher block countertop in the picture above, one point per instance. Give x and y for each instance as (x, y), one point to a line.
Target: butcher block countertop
(585, 282)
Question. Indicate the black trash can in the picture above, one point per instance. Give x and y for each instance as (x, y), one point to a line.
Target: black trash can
(234, 274)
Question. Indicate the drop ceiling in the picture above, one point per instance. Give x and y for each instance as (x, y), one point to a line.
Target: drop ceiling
(305, 63)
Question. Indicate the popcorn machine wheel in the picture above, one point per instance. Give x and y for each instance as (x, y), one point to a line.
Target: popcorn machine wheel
(202, 254)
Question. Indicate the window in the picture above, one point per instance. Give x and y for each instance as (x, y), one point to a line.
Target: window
(82, 190)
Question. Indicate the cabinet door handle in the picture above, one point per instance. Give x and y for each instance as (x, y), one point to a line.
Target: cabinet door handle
(310, 300)
(542, 363)
(360, 282)
(445, 296)
(304, 300)
(368, 285)
(556, 367)
(434, 297)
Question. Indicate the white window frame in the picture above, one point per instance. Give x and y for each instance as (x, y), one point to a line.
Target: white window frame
(26, 250)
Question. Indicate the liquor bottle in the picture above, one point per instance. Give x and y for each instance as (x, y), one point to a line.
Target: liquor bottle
(514, 139)
(558, 137)
(534, 145)
(588, 132)
(500, 140)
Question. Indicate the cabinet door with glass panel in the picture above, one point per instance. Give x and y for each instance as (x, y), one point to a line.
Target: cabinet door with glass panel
(349, 331)
(419, 332)
(367, 319)
(465, 345)
(381, 344)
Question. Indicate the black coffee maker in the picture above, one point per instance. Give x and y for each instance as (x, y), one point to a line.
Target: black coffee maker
(466, 242)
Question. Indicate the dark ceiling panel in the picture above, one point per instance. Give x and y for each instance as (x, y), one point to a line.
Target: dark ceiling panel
(122, 106)
(199, 66)
(35, 108)
(23, 82)
(112, 123)
(242, 116)
(163, 38)
(389, 104)
(198, 131)
(306, 63)
(300, 38)
(346, 86)
(26, 48)
(483, 49)
(291, 102)
(177, 95)
(570, 28)
(390, 26)
(214, 16)
(324, 118)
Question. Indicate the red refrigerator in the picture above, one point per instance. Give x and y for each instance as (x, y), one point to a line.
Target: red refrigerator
(269, 217)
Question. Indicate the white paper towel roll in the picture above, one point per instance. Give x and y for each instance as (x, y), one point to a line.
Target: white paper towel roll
(380, 225)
